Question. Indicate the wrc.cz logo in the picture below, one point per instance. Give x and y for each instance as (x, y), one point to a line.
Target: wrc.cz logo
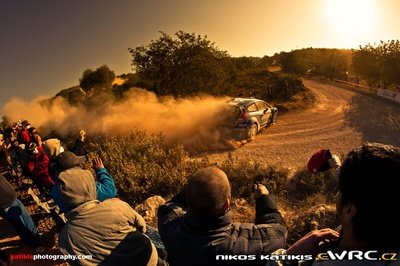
(357, 255)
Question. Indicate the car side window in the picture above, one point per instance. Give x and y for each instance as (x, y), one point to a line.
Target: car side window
(252, 108)
(262, 106)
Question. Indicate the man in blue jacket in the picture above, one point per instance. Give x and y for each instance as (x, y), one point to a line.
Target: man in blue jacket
(70, 164)
(12, 209)
(196, 225)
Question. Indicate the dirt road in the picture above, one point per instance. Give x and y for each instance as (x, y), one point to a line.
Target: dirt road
(340, 120)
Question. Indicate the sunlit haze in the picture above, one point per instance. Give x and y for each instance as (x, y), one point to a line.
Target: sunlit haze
(352, 21)
(46, 45)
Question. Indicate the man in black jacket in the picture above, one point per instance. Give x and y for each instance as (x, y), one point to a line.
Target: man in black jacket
(196, 226)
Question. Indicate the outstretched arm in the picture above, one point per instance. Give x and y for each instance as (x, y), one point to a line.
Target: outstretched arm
(105, 186)
(79, 145)
(266, 208)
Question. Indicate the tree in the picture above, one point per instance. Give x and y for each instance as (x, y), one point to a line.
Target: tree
(101, 78)
(188, 64)
(389, 62)
(365, 64)
(379, 64)
(331, 63)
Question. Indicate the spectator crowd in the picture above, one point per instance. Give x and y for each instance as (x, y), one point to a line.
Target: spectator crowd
(195, 225)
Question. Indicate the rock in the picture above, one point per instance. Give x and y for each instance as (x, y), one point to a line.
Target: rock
(148, 209)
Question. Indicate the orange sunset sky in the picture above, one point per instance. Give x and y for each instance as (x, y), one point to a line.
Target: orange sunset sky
(46, 45)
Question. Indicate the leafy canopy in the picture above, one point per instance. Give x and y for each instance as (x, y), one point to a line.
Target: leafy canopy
(187, 64)
(379, 64)
(101, 78)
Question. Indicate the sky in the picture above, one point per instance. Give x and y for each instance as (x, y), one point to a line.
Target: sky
(46, 45)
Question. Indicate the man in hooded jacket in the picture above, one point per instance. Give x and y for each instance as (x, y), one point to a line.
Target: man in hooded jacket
(111, 232)
(70, 162)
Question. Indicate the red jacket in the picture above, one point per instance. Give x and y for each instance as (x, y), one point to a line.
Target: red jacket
(24, 137)
(38, 166)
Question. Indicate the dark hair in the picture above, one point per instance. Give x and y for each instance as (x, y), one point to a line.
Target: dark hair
(31, 129)
(207, 191)
(370, 179)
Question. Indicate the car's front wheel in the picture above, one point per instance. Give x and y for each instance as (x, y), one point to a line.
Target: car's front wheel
(273, 118)
(252, 132)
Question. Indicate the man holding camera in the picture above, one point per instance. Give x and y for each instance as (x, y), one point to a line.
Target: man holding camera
(195, 225)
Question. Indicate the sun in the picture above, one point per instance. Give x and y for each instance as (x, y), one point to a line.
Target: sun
(351, 17)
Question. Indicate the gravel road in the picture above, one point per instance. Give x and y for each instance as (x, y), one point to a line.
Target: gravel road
(340, 120)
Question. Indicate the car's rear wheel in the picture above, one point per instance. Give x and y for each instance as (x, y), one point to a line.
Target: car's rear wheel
(252, 132)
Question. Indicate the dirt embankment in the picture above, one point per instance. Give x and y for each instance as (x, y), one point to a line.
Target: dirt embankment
(341, 120)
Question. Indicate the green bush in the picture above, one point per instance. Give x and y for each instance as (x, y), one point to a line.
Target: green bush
(244, 174)
(142, 166)
(283, 87)
(304, 184)
(307, 218)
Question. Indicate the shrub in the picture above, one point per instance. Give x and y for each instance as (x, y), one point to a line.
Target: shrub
(142, 166)
(304, 184)
(284, 86)
(308, 218)
(244, 174)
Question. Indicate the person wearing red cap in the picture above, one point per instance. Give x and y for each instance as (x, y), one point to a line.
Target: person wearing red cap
(322, 160)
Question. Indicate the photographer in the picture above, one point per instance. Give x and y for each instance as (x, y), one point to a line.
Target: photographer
(195, 225)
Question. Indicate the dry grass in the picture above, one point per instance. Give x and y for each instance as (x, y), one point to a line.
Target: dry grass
(143, 166)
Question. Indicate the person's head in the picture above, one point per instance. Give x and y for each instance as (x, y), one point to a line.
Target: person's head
(25, 124)
(68, 159)
(369, 184)
(32, 130)
(76, 187)
(32, 149)
(208, 192)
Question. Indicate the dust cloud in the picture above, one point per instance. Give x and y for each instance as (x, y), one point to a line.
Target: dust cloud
(199, 123)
